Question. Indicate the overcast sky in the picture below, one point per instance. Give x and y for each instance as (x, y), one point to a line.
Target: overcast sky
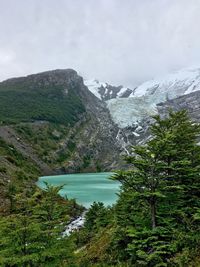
(117, 41)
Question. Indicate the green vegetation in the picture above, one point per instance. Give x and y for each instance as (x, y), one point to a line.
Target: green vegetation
(156, 219)
(53, 143)
(45, 139)
(22, 103)
(15, 165)
(155, 222)
(14, 157)
(32, 235)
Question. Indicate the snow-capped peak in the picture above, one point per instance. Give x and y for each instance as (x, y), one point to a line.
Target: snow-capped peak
(94, 86)
(105, 91)
(143, 101)
(172, 85)
(129, 106)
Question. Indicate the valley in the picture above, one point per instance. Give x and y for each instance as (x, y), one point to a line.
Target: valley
(60, 126)
(56, 126)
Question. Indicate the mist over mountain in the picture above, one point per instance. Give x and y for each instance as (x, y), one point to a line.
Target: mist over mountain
(128, 106)
(100, 133)
(62, 123)
(56, 122)
(95, 122)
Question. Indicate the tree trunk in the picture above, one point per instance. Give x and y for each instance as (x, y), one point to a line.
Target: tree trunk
(153, 213)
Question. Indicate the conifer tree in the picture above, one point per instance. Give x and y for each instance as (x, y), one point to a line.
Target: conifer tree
(33, 235)
(161, 191)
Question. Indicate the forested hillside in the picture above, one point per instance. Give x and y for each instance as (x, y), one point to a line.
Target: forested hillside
(50, 96)
(155, 221)
(100, 133)
(52, 122)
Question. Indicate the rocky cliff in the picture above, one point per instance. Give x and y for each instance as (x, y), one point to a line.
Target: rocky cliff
(52, 122)
(58, 100)
(133, 112)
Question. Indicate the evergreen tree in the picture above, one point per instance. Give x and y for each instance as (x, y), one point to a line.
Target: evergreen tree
(161, 192)
(97, 216)
(33, 235)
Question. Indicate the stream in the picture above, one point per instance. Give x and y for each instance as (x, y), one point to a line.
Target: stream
(75, 225)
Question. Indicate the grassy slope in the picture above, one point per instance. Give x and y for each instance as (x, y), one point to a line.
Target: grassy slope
(17, 173)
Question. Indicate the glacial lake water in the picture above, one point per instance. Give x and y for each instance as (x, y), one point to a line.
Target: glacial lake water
(85, 187)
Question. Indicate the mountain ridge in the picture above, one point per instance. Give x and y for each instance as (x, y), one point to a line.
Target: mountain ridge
(142, 101)
(55, 117)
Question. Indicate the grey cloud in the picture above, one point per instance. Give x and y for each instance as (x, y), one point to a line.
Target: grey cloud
(121, 42)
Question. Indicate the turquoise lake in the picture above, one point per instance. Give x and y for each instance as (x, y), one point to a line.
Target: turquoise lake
(85, 187)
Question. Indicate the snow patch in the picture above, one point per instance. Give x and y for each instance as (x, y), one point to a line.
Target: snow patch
(144, 98)
(171, 85)
(136, 134)
(122, 91)
(94, 85)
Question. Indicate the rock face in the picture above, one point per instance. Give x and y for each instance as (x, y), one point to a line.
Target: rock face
(105, 91)
(133, 111)
(52, 122)
(190, 102)
(89, 127)
(91, 124)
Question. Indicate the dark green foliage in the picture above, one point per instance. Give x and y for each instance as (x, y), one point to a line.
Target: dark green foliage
(24, 168)
(156, 219)
(98, 167)
(160, 196)
(71, 146)
(20, 102)
(97, 216)
(3, 169)
(86, 161)
(32, 235)
(155, 222)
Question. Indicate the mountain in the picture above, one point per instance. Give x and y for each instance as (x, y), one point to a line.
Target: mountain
(52, 96)
(170, 86)
(51, 123)
(56, 122)
(128, 106)
(105, 91)
(133, 114)
(60, 98)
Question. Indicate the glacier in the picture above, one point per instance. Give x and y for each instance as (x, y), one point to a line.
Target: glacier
(142, 101)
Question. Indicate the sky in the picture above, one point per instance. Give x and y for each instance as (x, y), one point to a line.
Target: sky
(117, 41)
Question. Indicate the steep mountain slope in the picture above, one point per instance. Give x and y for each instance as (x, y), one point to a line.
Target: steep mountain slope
(133, 113)
(61, 98)
(142, 102)
(57, 125)
(52, 122)
(52, 96)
